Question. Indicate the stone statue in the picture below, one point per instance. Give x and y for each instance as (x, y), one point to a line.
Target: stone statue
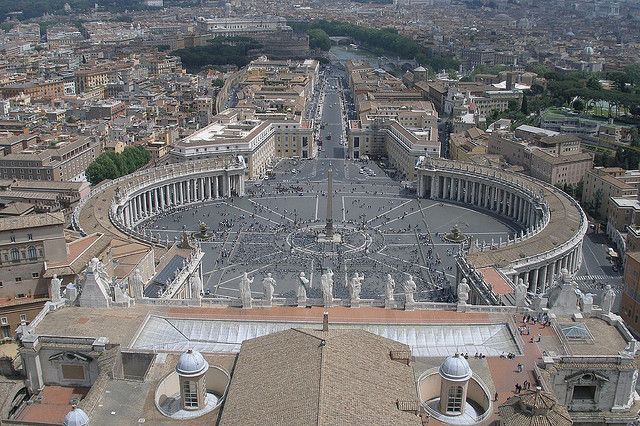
(136, 284)
(463, 292)
(302, 286)
(56, 285)
(245, 290)
(268, 285)
(409, 288)
(355, 286)
(520, 293)
(563, 296)
(607, 299)
(327, 287)
(389, 289)
(196, 286)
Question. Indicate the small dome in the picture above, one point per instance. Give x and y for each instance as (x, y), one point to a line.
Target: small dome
(588, 50)
(420, 69)
(191, 363)
(455, 368)
(76, 417)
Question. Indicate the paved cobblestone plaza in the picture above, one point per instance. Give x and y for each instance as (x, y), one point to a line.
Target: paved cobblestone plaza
(274, 229)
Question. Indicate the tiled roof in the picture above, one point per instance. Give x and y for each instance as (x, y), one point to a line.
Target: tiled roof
(31, 221)
(310, 377)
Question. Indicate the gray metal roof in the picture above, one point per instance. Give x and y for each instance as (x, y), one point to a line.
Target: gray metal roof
(210, 336)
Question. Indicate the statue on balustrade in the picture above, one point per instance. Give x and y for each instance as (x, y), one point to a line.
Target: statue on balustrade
(327, 287)
(303, 282)
(409, 288)
(136, 284)
(245, 290)
(56, 285)
(268, 285)
(389, 288)
(608, 298)
(520, 293)
(195, 284)
(355, 286)
(463, 292)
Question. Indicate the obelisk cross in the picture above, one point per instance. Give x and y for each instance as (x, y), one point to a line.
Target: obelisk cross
(329, 227)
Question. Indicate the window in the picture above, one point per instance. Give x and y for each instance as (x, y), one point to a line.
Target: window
(18, 279)
(23, 317)
(30, 237)
(190, 393)
(454, 400)
(15, 255)
(4, 321)
(584, 393)
(13, 238)
(35, 275)
(32, 252)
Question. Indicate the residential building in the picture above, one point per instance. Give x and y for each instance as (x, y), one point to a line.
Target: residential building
(467, 144)
(60, 159)
(26, 244)
(557, 160)
(601, 184)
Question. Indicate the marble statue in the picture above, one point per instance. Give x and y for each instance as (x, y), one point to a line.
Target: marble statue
(355, 286)
(563, 296)
(463, 292)
(195, 284)
(389, 288)
(56, 285)
(409, 288)
(607, 299)
(327, 287)
(303, 281)
(71, 292)
(136, 284)
(520, 293)
(268, 285)
(245, 290)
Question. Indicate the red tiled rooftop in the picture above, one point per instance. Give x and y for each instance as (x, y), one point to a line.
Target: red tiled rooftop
(53, 406)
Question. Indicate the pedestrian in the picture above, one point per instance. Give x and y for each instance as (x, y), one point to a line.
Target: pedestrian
(520, 367)
(539, 337)
(495, 397)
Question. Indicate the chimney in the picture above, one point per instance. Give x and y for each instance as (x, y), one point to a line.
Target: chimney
(325, 321)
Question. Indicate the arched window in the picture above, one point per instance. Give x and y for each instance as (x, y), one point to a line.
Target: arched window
(15, 255)
(454, 399)
(32, 253)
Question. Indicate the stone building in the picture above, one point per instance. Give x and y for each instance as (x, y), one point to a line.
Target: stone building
(25, 244)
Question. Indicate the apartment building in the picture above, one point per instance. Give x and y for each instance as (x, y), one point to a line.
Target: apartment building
(61, 159)
(26, 243)
(557, 160)
(467, 144)
(36, 89)
(630, 300)
(601, 184)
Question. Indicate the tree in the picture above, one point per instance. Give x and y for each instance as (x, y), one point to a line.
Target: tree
(318, 39)
(524, 108)
(578, 105)
(110, 165)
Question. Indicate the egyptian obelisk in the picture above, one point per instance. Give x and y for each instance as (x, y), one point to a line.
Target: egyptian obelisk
(328, 229)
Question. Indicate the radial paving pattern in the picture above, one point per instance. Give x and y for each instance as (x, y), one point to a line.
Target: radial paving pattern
(274, 229)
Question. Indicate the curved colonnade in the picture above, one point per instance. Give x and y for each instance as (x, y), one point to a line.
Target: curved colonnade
(116, 207)
(552, 223)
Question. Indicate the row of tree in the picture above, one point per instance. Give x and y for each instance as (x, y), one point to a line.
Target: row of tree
(219, 51)
(383, 40)
(110, 165)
